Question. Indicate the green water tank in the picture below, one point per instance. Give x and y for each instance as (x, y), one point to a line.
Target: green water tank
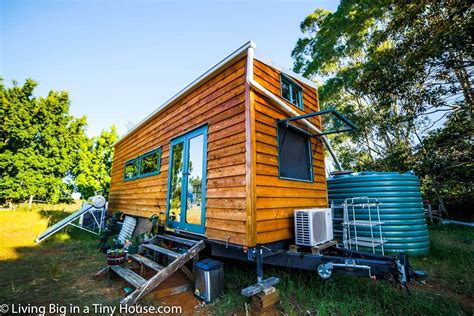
(401, 208)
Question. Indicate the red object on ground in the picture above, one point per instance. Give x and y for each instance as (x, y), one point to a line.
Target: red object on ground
(115, 259)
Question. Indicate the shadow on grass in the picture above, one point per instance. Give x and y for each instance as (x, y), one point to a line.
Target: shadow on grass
(57, 271)
(53, 216)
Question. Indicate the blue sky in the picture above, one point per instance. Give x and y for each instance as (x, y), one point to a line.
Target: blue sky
(119, 60)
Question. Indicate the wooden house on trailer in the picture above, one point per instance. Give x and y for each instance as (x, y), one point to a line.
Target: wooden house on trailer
(217, 161)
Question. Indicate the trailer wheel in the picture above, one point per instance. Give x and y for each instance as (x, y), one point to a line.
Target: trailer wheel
(324, 271)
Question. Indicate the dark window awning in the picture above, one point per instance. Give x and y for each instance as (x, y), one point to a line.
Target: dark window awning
(341, 124)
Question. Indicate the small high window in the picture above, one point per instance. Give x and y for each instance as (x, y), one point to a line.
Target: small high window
(145, 165)
(291, 91)
(131, 169)
(294, 154)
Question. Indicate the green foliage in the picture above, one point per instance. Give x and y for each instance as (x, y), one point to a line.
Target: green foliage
(44, 151)
(39, 141)
(94, 164)
(446, 155)
(396, 69)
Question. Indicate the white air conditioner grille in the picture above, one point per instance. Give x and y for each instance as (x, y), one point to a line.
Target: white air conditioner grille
(303, 230)
(313, 226)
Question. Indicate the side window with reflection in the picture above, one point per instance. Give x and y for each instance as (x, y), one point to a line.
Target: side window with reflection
(131, 169)
(150, 163)
(145, 165)
(294, 154)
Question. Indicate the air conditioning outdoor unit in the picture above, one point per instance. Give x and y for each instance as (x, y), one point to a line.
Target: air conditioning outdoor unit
(313, 226)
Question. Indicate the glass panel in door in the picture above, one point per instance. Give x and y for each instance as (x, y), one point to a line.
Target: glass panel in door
(194, 180)
(176, 182)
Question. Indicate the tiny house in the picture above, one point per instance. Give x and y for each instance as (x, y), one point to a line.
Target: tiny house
(217, 161)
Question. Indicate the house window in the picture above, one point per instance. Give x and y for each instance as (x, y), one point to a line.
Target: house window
(291, 91)
(150, 163)
(131, 169)
(145, 165)
(294, 154)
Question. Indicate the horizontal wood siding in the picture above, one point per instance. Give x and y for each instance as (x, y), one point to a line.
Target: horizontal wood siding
(220, 103)
(278, 198)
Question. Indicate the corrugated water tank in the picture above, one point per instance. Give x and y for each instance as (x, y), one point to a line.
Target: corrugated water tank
(401, 207)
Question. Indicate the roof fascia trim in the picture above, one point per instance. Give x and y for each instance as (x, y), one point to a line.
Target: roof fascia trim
(241, 51)
(287, 72)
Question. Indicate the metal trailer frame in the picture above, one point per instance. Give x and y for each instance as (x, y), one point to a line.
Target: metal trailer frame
(340, 260)
(395, 269)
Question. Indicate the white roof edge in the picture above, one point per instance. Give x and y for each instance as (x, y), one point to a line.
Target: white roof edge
(241, 51)
(287, 72)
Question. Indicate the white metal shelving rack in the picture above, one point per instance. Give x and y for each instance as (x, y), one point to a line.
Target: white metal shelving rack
(350, 223)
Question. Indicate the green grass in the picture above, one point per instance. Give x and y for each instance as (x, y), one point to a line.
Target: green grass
(448, 289)
(451, 259)
(59, 271)
(56, 271)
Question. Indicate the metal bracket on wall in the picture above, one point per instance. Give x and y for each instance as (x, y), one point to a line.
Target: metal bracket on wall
(349, 125)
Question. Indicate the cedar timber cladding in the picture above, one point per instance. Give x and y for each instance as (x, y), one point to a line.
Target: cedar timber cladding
(278, 198)
(246, 201)
(220, 103)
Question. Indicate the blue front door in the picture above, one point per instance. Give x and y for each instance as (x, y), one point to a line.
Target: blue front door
(186, 196)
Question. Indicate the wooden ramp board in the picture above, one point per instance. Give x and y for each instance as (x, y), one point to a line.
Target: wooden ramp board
(164, 273)
(146, 262)
(161, 250)
(180, 240)
(128, 275)
(150, 279)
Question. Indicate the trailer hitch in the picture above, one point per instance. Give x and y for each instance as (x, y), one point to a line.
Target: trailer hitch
(325, 270)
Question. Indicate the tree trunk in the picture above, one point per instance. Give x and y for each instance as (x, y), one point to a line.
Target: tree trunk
(30, 203)
(442, 206)
(464, 81)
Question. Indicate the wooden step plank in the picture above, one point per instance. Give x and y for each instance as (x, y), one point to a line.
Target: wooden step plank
(129, 276)
(184, 241)
(162, 250)
(157, 279)
(145, 261)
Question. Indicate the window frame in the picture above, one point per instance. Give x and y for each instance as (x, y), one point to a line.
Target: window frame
(131, 161)
(292, 84)
(310, 153)
(139, 158)
(157, 150)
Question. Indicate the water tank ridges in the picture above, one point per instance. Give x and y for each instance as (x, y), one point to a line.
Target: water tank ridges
(401, 207)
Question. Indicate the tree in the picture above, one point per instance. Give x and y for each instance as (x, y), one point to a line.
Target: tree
(446, 155)
(39, 141)
(390, 66)
(93, 170)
